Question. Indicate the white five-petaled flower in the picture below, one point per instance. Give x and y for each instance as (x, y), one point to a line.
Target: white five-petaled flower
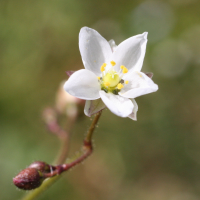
(112, 76)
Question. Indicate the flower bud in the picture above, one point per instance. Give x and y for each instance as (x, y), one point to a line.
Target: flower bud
(49, 115)
(66, 103)
(28, 179)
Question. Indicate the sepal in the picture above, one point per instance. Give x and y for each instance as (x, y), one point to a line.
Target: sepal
(149, 74)
(42, 166)
(69, 73)
(93, 106)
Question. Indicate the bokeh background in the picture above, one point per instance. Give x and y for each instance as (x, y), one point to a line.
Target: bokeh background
(155, 158)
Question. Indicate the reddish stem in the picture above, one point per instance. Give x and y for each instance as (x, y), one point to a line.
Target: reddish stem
(61, 168)
(87, 151)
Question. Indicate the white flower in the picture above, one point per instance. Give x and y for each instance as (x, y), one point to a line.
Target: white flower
(112, 74)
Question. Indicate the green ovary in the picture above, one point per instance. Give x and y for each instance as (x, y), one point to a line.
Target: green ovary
(112, 78)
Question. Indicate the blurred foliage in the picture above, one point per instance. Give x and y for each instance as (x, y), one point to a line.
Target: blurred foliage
(155, 158)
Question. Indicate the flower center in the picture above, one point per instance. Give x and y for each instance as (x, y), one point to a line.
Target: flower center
(111, 81)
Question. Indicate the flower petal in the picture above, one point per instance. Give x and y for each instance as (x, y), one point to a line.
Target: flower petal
(133, 115)
(131, 52)
(118, 105)
(138, 85)
(95, 50)
(83, 84)
(93, 106)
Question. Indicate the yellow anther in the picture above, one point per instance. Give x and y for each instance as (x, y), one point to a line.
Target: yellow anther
(126, 82)
(112, 63)
(106, 83)
(122, 66)
(98, 78)
(103, 67)
(125, 70)
(120, 86)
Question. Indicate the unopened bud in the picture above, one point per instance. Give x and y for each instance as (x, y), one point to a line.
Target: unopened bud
(28, 179)
(66, 103)
(49, 115)
(41, 166)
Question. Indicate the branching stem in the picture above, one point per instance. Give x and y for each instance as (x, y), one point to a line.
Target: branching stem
(55, 175)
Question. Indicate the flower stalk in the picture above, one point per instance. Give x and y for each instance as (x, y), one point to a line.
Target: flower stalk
(65, 141)
(50, 177)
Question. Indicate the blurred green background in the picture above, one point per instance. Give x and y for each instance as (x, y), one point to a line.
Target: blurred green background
(155, 158)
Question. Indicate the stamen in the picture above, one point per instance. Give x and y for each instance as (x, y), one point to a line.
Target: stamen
(122, 66)
(103, 67)
(120, 86)
(106, 83)
(125, 70)
(112, 63)
(126, 82)
(98, 77)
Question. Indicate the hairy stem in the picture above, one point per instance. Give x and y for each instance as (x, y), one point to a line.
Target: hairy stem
(87, 150)
(65, 141)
